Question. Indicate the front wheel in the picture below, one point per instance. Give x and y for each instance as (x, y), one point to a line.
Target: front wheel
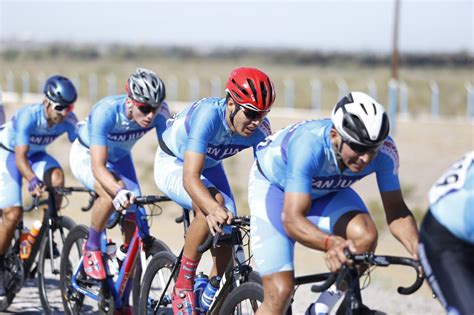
(158, 274)
(157, 247)
(75, 302)
(48, 268)
(243, 300)
(13, 277)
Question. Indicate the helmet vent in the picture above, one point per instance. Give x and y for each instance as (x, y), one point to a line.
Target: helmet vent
(252, 87)
(264, 92)
(375, 109)
(363, 107)
(240, 88)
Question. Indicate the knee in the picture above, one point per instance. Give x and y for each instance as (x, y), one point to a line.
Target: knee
(278, 294)
(364, 235)
(55, 178)
(11, 216)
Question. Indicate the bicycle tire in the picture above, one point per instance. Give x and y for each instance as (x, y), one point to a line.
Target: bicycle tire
(162, 262)
(250, 293)
(158, 246)
(48, 281)
(12, 263)
(73, 302)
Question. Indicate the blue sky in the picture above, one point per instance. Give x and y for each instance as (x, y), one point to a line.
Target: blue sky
(344, 25)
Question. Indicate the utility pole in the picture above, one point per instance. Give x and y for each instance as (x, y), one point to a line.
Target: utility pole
(395, 41)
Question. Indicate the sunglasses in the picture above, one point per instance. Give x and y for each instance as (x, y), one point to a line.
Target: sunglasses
(252, 114)
(361, 149)
(145, 109)
(58, 107)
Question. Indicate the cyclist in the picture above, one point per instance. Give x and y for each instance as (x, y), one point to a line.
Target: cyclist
(23, 142)
(299, 190)
(447, 237)
(101, 156)
(188, 164)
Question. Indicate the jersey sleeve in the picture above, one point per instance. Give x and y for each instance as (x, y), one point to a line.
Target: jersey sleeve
(25, 122)
(102, 120)
(387, 167)
(302, 163)
(203, 127)
(71, 126)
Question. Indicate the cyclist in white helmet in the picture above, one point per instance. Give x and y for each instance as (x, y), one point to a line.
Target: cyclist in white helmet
(299, 190)
(101, 156)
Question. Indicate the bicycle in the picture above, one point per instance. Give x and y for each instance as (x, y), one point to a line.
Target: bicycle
(162, 271)
(113, 293)
(48, 242)
(239, 300)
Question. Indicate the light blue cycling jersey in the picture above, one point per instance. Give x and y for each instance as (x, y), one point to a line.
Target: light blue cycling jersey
(30, 127)
(202, 128)
(300, 158)
(108, 125)
(452, 198)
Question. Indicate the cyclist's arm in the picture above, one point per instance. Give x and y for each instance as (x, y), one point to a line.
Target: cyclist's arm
(298, 227)
(400, 220)
(192, 170)
(105, 178)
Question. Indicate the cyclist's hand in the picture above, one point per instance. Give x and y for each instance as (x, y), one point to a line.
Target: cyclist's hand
(36, 187)
(217, 218)
(123, 199)
(335, 256)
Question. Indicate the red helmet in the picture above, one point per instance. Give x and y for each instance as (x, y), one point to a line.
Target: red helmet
(251, 88)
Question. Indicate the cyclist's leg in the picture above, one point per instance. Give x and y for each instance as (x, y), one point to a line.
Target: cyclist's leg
(10, 203)
(347, 216)
(447, 262)
(272, 249)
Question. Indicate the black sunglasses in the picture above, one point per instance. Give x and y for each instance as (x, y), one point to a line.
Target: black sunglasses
(59, 107)
(252, 114)
(361, 149)
(146, 109)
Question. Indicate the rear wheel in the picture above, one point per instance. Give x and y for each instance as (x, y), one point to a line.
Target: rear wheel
(243, 300)
(75, 302)
(48, 268)
(157, 274)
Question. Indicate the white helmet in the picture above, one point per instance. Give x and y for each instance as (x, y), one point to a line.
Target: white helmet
(360, 119)
(144, 86)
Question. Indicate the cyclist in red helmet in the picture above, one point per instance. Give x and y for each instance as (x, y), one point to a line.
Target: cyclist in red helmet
(188, 165)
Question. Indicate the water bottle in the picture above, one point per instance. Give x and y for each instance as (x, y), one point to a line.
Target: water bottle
(207, 296)
(112, 262)
(25, 246)
(28, 238)
(121, 253)
(200, 282)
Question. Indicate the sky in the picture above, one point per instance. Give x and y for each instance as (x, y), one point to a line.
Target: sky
(338, 25)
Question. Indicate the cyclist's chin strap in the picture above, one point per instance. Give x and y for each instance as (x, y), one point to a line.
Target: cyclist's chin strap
(338, 153)
(233, 113)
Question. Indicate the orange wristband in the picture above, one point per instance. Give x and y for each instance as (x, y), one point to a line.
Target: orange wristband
(326, 241)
